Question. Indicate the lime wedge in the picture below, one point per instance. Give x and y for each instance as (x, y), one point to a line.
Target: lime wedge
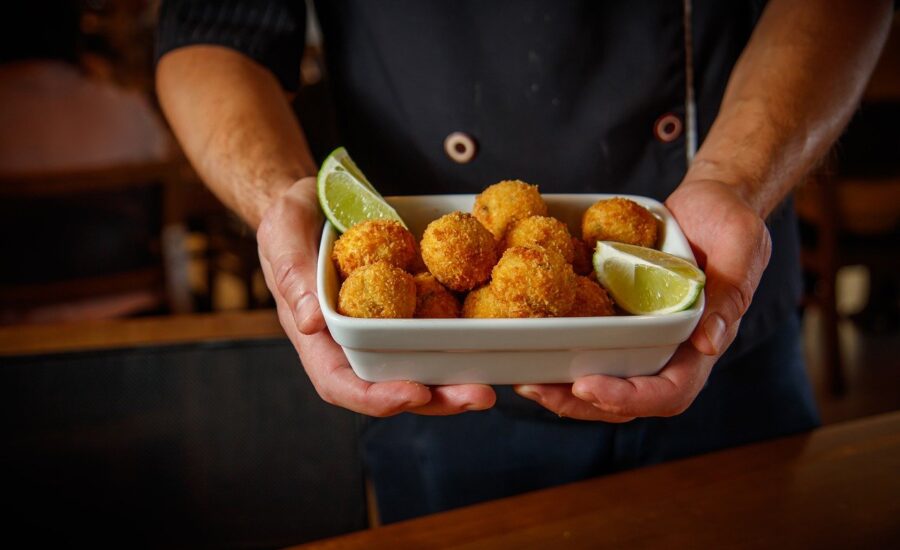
(644, 281)
(346, 196)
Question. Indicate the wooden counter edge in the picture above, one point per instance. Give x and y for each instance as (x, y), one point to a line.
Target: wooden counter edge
(840, 440)
(123, 333)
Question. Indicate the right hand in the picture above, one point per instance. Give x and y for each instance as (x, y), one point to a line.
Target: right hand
(288, 249)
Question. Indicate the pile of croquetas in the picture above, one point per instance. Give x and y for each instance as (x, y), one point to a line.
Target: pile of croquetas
(507, 259)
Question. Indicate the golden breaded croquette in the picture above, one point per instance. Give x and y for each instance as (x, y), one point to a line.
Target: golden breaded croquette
(378, 290)
(533, 282)
(481, 303)
(583, 260)
(541, 232)
(621, 220)
(459, 251)
(433, 301)
(591, 300)
(506, 202)
(373, 241)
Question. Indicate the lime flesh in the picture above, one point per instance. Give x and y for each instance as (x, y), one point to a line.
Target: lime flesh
(346, 196)
(644, 281)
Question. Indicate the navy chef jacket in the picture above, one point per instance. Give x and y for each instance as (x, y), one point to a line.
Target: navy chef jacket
(575, 96)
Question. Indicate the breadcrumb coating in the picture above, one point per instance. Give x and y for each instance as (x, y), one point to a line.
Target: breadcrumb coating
(591, 300)
(459, 251)
(433, 301)
(379, 290)
(534, 282)
(503, 203)
(541, 232)
(481, 303)
(621, 220)
(373, 241)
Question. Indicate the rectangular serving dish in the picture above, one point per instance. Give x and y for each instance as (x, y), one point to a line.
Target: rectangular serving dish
(505, 351)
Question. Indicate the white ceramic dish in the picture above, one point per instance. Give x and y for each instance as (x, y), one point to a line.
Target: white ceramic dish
(505, 351)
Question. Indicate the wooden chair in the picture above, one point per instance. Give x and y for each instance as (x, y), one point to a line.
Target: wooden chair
(855, 210)
(836, 209)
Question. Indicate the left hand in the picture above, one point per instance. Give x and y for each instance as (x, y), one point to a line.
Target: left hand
(732, 245)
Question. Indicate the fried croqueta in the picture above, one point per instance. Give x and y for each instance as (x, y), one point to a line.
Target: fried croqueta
(541, 232)
(373, 241)
(621, 220)
(459, 251)
(481, 303)
(591, 300)
(433, 301)
(379, 290)
(503, 203)
(533, 282)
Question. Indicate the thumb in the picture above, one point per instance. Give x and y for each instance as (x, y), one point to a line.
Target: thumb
(295, 281)
(732, 279)
(726, 303)
(287, 251)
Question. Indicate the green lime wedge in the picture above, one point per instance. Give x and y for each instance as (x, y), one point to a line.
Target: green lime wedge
(644, 281)
(346, 196)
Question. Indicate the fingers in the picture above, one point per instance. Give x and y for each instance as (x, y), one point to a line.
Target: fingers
(733, 274)
(446, 400)
(295, 280)
(669, 393)
(334, 380)
(287, 239)
(337, 384)
(558, 399)
(732, 244)
(613, 399)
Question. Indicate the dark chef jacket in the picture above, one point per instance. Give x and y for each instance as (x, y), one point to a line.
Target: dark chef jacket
(575, 96)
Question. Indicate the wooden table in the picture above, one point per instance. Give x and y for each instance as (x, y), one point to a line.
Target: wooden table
(146, 331)
(837, 487)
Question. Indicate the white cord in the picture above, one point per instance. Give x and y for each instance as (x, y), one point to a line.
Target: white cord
(690, 105)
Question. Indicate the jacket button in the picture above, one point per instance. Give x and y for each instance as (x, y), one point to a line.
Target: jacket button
(460, 147)
(667, 128)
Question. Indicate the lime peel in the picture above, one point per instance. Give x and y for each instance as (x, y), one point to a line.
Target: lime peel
(644, 281)
(346, 196)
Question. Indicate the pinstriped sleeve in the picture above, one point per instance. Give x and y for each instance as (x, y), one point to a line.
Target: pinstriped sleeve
(271, 32)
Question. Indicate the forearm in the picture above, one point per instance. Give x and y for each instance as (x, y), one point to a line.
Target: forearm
(790, 95)
(235, 125)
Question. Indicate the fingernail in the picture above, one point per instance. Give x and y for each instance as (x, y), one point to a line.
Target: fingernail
(306, 307)
(585, 395)
(714, 327)
(473, 407)
(528, 392)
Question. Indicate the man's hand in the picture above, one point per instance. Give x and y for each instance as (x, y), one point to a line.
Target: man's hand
(790, 94)
(288, 241)
(733, 246)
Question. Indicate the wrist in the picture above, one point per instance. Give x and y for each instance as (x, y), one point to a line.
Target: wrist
(694, 187)
(297, 206)
(740, 182)
(749, 148)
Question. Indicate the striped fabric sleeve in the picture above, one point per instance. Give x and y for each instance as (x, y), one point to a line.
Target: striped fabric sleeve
(271, 32)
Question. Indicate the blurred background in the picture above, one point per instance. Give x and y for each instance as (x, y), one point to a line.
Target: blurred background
(147, 392)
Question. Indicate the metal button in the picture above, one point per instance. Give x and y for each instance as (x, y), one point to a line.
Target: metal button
(460, 147)
(668, 128)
